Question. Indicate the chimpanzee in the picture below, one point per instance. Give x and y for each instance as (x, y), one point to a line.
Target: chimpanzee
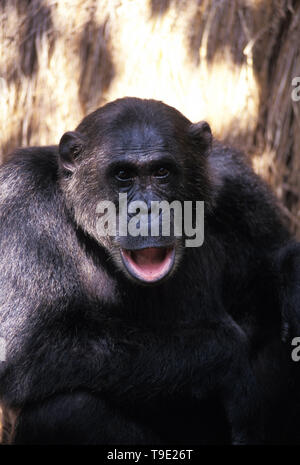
(141, 339)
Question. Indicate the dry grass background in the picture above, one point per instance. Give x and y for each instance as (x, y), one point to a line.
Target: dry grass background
(230, 62)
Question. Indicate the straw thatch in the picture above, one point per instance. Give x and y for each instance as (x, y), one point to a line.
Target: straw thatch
(231, 62)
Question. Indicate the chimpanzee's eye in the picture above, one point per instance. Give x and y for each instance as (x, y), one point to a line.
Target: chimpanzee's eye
(161, 172)
(124, 175)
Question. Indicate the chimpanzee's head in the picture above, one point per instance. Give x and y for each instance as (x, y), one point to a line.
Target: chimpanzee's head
(116, 168)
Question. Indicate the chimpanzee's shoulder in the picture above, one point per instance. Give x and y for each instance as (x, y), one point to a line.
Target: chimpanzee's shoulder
(29, 169)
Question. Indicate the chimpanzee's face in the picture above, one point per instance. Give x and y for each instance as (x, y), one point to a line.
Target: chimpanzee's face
(126, 173)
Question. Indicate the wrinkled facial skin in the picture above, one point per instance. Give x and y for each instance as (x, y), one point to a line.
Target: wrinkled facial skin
(147, 171)
(148, 151)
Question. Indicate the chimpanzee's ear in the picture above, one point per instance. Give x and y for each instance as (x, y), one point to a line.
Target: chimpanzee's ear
(70, 146)
(201, 133)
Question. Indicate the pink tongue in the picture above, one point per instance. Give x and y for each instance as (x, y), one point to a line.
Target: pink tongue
(150, 263)
(151, 257)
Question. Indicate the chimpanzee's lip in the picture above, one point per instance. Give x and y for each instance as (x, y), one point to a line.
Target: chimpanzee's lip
(149, 265)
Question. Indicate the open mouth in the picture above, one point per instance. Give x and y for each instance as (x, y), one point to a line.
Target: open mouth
(150, 264)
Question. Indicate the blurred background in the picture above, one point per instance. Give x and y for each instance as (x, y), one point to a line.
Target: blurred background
(229, 62)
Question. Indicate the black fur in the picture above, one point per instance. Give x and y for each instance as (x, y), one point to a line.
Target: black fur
(95, 357)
